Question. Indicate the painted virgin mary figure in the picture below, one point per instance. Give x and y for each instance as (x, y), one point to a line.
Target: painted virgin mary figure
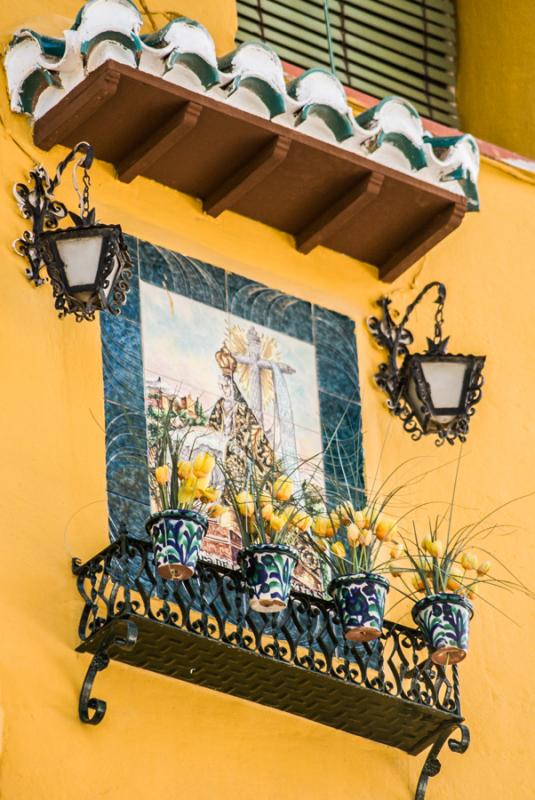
(232, 416)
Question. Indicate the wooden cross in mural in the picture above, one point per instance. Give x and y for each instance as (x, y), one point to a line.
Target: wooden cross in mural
(253, 359)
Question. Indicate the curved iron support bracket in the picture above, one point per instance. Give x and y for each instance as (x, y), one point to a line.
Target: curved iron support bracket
(432, 765)
(91, 710)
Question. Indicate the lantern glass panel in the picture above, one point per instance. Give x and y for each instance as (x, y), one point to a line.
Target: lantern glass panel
(81, 259)
(446, 379)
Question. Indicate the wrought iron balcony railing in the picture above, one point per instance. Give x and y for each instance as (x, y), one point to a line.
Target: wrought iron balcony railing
(203, 632)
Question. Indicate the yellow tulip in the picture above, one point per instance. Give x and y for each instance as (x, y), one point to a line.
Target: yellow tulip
(203, 483)
(187, 490)
(345, 513)
(469, 561)
(385, 528)
(454, 578)
(267, 511)
(276, 522)
(301, 521)
(394, 571)
(162, 474)
(264, 498)
(245, 503)
(436, 548)
(210, 494)
(353, 534)
(283, 488)
(322, 526)
(418, 583)
(203, 465)
(338, 549)
(216, 511)
(362, 519)
(184, 469)
(426, 543)
(484, 568)
(397, 551)
(365, 538)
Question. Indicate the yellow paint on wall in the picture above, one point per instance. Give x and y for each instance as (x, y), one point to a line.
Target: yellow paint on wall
(164, 738)
(496, 86)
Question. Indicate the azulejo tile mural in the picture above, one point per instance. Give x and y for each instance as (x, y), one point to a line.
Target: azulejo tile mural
(239, 361)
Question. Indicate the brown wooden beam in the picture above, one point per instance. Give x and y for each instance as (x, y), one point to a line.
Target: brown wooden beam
(421, 242)
(247, 177)
(83, 101)
(159, 143)
(340, 214)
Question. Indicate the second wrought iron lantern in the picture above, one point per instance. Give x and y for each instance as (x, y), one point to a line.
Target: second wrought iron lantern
(88, 263)
(433, 392)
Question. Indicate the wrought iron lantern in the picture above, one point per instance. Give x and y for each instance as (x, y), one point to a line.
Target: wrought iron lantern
(433, 392)
(88, 264)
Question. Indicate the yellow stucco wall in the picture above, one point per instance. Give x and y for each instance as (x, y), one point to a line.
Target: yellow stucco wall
(496, 86)
(164, 738)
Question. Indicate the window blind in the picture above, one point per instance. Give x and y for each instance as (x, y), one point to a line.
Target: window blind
(381, 47)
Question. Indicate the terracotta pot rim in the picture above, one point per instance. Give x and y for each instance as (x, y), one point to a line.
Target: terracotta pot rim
(343, 580)
(268, 547)
(444, 597)
(177, 513)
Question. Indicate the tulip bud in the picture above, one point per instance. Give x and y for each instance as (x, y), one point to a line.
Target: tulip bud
(436, 548)
(417, 582)
(426, 543)
(338, 549)
(267, 511)
(384, 528)
(276, 522)
(322, 526)
(345, 513)
(484, 568)
(203, 465)
(245, 503)
(283, 488)
(469, 561)
(365, 538)
(162, 474)
(187, 490)
(394, 571)
(397, 551)
(353, 534)
(184, 469)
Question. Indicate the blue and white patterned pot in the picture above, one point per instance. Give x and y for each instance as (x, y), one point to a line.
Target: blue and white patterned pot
(361, 604)
(444, 620)
(268, 570)
(176, 540)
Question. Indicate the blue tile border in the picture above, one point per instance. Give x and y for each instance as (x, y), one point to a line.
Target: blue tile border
(332, 334)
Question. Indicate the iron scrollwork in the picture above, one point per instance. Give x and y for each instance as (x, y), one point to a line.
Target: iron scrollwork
(38, 204)
(106, 279)
(432, 765)
(91, 710)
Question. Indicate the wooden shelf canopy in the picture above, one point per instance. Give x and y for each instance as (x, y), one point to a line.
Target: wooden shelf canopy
(231, 159)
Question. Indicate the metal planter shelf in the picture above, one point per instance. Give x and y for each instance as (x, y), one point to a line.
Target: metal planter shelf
(202, 631)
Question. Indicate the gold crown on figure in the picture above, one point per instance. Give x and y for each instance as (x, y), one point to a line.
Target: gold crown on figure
(226, 361)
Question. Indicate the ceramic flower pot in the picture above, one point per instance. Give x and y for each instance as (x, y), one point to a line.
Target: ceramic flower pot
(268, 570)
(361, 604)
(444, 620)
(176, 540)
